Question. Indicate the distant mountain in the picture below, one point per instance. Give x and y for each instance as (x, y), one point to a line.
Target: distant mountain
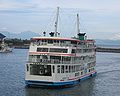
(8, 34)
(22, 35)
(107, 42)
(2, 36)
(30, 34)
(27, 35)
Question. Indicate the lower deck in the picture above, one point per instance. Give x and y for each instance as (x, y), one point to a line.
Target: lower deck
(57, 74)
(59, 84)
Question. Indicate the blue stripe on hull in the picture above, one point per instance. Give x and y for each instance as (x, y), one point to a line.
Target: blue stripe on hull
(56, 84)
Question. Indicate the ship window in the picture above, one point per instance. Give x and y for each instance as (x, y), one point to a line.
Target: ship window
(73, 51)
(58, 50)
(55, 59)
(66, 69)
(69, 69)
(77, 74)
(62, 69)
(89, 70)
(56, 41)
(66, 59)
(61, 41)
(58, 69)
(85, 70)
(42, 70)
(50, 41)
(44, 40)
(42, 49)
(81, 73)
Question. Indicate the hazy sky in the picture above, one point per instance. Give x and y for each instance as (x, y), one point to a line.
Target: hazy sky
(98, 18)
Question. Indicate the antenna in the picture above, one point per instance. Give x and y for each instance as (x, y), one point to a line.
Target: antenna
(56, 22)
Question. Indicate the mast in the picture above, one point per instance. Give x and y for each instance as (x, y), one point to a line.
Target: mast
(81, 36)
(56, 22)
(78, 23)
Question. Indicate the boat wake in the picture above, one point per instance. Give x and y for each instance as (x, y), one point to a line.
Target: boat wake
(109, 71)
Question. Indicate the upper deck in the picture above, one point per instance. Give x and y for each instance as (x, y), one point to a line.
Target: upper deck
(61, 42)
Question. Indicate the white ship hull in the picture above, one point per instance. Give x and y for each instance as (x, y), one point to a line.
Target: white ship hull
(62, 83)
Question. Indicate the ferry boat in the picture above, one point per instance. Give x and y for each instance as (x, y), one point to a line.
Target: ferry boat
(55, 61)
(4, 48)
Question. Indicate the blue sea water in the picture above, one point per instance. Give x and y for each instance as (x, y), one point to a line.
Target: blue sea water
(106, 83)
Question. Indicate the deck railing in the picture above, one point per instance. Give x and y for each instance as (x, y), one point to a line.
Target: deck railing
(55, 61)
(63, 45)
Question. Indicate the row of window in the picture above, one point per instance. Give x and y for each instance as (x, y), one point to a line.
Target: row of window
(54, 42)
(69, 68)
(62, 43)
(60, 59)
(59, 50)
(45, 70)
(82, 50)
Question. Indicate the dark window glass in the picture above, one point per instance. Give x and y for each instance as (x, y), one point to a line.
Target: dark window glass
(58, 50)
(42, 70)
(73, 51)
(62, 69)
(66, 69)
(42, 49)
(58, 69)
(50, 41)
